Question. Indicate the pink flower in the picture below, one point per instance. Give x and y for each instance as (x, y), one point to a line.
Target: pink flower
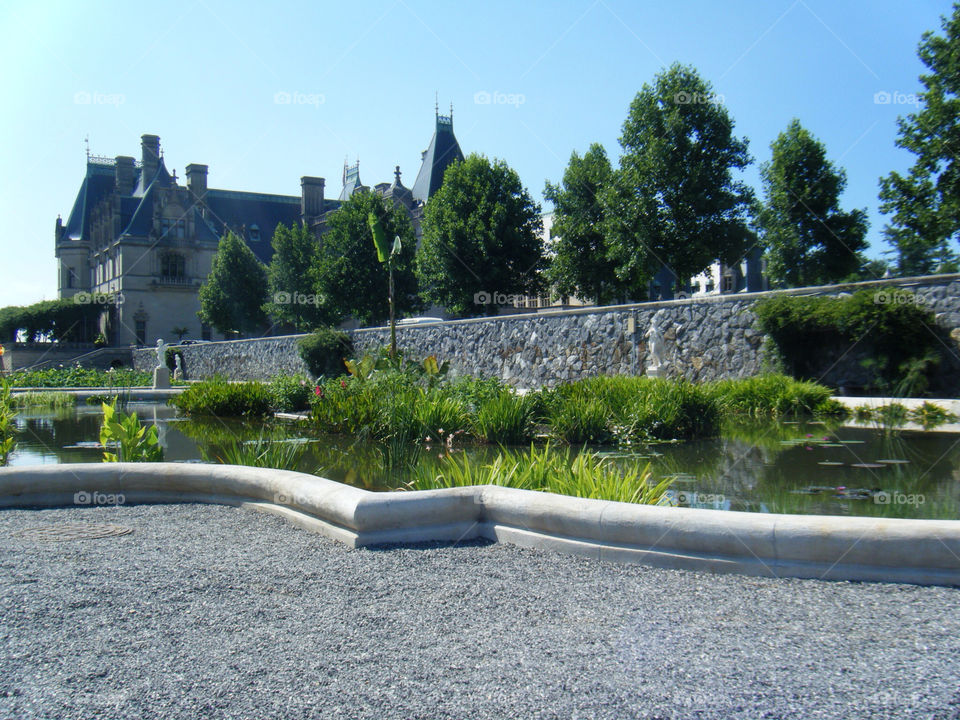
(317, 391)
(343, 383)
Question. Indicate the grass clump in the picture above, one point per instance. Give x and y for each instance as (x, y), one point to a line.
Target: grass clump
(506, 418)
(930, 415)
(262, 452)
(546, 469)
(43, 400)
(222, 398)
(770, 396)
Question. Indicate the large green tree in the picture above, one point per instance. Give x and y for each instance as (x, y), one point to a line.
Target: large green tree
(925, 202)
(580, 264)
(351, 280)
(481, 239)
(809, 239)
(674, 201)
(292, 278)
(232, 298)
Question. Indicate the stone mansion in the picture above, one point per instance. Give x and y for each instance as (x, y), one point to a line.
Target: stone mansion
(144, 242)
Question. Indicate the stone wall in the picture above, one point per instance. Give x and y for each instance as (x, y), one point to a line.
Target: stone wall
(701, 339)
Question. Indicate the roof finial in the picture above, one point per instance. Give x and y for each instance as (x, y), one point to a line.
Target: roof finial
(396, 174)
(86, 141)
(436, 103)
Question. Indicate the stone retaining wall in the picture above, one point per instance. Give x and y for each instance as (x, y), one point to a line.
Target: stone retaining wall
(701, 339)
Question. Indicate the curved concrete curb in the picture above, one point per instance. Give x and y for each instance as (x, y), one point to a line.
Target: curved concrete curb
(808, 546)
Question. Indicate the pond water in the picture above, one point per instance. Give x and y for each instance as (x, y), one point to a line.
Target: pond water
(804, 468)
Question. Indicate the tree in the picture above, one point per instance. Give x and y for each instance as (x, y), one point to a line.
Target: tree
(349, 277)
(292, 278)
(580, 264)
(233, 295)
(673, 201)
(926, 202)
(809, 240)
(481, 238)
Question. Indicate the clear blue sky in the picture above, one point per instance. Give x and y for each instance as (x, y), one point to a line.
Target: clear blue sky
(204, 76)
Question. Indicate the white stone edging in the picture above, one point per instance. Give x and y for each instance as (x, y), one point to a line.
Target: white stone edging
(806, 546)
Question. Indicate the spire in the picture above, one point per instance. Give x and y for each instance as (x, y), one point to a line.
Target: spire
(443, 150)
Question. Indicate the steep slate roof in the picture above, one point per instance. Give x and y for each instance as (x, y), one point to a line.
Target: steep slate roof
(232, 209)
(96, 185)
(444, 150)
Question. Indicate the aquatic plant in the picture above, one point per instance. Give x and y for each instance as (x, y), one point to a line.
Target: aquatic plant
(133, 441)
(8, 428)
(222, 398)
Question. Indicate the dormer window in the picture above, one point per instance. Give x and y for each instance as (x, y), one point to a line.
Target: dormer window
(254, 233)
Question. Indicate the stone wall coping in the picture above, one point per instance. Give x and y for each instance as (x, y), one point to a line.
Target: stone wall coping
(806, 546)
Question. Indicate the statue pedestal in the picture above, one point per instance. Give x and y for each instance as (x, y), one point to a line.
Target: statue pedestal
(161, 378)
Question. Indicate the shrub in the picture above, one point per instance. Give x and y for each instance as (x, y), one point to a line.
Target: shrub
(899, 335)
(324, 351)
(291, 393)
(225, 399)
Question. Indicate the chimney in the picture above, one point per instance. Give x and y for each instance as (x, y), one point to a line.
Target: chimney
(311, 196)
(124, 174)
(150, 155)
(197, 180)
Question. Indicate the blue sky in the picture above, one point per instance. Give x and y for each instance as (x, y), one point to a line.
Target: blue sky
(205, 77)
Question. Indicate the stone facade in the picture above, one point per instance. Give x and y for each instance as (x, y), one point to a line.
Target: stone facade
(701, 339)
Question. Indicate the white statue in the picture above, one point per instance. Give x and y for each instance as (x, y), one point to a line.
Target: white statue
(655, 349)
(161, 353)
(178, 371)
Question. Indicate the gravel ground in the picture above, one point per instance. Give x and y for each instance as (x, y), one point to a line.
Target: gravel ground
(214, 612)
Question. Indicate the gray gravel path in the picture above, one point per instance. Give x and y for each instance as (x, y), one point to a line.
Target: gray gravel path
(213, 612)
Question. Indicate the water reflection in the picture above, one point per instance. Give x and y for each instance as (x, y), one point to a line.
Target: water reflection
(804, 468)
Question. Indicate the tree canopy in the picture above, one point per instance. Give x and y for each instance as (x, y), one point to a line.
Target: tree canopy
(580, 264)
(674, 201)
(292, 278)
(232, 298)
(481, 238)
(809, 240)
(350, 279)
(925, 202)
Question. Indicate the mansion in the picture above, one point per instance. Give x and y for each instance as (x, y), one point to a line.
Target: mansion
(144, 241)
(139, 239)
